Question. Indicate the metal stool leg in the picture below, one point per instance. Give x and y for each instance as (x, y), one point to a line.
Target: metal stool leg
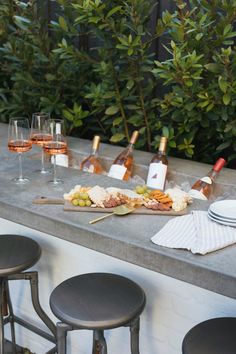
(62, 330)
(134, 335)
(99, 342)
(11, 318)
(1, 319)
(33, 277)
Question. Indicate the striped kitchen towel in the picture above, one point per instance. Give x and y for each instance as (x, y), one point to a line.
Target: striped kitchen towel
(196, 233)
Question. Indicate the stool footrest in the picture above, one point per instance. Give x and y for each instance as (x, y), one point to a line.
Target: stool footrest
(34, 329)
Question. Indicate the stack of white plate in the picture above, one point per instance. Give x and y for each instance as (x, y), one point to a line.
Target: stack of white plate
(223, 212)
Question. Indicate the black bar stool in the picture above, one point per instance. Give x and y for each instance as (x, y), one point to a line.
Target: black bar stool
(18, 253)
(97, 301)
(214, 336)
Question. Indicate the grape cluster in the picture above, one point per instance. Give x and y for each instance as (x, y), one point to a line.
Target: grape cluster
(81, 199)
(143, 190)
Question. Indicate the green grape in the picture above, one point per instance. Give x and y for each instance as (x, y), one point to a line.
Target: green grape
(75, 202)
(84, 196)
(88, 203)
(139, 189)
(82, 203)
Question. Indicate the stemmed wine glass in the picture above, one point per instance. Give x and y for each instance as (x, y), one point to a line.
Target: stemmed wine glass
(57, 145)
(40, 134)
(19, 141)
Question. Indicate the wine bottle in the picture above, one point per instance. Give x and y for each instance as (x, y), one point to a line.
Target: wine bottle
(62, 157)
(92, 163)
(203, 188)
(158, 167)
(122, 166)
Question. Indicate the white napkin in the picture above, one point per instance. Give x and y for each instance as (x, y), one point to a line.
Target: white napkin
(196, 233)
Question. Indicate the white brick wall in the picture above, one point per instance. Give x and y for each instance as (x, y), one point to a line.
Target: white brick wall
(173, 307)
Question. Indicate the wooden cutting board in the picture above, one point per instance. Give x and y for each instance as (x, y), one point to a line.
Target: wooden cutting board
(69, 207)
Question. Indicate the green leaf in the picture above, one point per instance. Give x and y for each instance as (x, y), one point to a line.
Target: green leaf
(50, 77)
(63, 24)
(64, 42)
(223, 146)
(78, 123)
(203, 104)
(113, 11)
(222, 84)
(189, 83)
(22, 19)
(210, 106)
(130, 51)
(68, 115)
(173, 45)
(110, 94)
(117, 137)
(190, 151)
(199, 36)
(110, 111)
(132, 106)
(130, 84)
(117, 121)
(227, 29)
(123, 41)
(226, 99)
(165, 132)
(142, 130)
(172, 144)
(212, 67)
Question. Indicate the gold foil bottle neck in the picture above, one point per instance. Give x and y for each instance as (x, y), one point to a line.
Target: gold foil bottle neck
(96, 142)
(163, 144)
(134, 137)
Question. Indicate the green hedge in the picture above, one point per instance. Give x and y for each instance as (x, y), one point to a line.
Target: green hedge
(93, 65)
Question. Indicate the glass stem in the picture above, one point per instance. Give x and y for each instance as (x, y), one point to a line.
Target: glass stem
(20, 166)
(42, 159)
(54, 170)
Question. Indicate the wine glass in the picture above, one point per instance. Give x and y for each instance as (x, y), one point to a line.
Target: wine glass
(19, 141)
(57, 145)
(40, 134)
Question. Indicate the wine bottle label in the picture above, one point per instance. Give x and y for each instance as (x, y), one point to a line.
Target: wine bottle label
(157, 175)
(117, 171)
(206, 180)
(58, 128)
(61, 160)
(197, 194)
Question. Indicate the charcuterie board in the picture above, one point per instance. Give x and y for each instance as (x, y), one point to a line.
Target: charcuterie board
(70, 207)
(141, 210)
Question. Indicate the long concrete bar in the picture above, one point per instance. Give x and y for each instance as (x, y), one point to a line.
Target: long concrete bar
(122, 238)
(126, 238)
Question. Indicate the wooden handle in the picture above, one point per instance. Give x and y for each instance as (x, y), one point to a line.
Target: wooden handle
(45, 200)
(102, 217)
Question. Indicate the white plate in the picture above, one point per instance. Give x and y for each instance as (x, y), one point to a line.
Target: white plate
(224, 208)
(233, 221)
(227, 223)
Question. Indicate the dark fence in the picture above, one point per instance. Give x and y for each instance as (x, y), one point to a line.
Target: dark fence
(48, 9)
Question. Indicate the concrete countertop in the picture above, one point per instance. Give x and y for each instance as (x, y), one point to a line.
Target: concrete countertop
(126, 238)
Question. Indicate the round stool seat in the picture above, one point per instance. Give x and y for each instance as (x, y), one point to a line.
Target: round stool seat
(17, 253)
(215, 336)
(97, 301)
